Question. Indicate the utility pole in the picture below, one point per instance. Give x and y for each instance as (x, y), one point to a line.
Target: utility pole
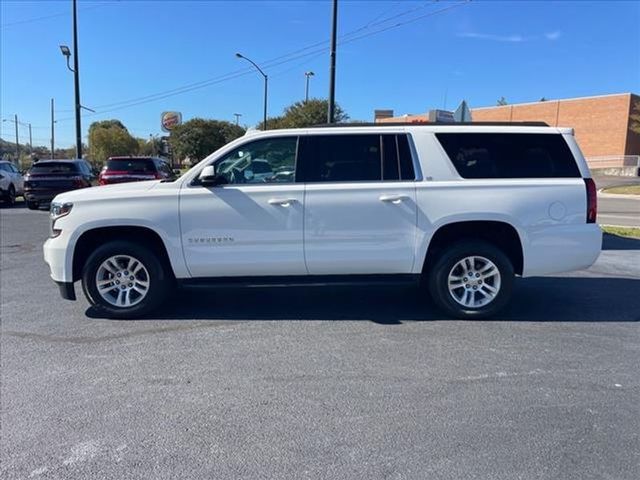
(53, 152)
(237, 115)
(30, 142)
(332, 68)
(15, 121)
(76, 79)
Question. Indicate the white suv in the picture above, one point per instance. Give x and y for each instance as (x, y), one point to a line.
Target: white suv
(11, 182)
(463, 207)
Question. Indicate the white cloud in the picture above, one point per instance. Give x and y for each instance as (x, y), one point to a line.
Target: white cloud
(515, 38)
(489, 36)
(553, 35)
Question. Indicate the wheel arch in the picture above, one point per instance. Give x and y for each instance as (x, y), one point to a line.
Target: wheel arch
(499, 233)
(90, 239)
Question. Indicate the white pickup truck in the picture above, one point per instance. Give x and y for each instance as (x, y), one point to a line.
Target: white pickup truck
(460, 209)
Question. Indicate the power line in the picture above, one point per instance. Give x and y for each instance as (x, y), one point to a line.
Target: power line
(54, 15)
(276, 61)
(269, 64)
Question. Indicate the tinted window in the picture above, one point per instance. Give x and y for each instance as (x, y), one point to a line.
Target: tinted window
(271, 160)
(131, 165)
(342, 158)
(5, 167)
(509, 155)
(391, 165)
(406, 161)
(53, 167)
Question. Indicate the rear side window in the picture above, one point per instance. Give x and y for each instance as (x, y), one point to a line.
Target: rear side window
(142, 165)
(53, 167)
(509, 155)
(355, 158)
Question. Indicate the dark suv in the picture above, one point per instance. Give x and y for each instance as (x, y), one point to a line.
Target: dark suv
(135, 169)
(47, 178)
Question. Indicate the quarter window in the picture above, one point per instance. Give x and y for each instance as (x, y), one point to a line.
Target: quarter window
(270, 160)
(509, 155)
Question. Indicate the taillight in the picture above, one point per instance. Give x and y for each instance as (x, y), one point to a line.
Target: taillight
(592, 200)
(77, 182)
(158, 176)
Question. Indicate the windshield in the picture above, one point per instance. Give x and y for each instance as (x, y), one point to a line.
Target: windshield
(53, 167)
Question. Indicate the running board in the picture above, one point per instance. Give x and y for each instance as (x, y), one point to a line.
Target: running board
(301, 281)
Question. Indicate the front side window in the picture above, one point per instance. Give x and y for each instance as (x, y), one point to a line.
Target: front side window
(270, 160)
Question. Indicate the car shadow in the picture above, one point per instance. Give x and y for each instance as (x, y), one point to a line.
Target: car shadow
(616, 242)
(540, 299)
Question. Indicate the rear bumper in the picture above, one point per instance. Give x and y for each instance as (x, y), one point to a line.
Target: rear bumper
(561, 248)
(44, 196)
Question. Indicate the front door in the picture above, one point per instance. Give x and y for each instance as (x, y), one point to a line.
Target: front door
(360, 204)
(253, 224)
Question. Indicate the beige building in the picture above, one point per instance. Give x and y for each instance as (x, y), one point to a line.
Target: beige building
(601, 123)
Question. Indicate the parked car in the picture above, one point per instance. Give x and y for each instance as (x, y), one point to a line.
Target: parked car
(47, 178)
(459, 209)
(135, 169)
(11, 182)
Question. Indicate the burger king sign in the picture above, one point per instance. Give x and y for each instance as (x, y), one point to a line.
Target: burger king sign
(169, 120)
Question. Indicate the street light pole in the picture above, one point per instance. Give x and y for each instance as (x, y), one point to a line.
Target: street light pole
(237, 115)
(76, 80)
(264, 122)
(15, 121)
(30, 142)
(53, 154)
(306, 90)
(332, 67)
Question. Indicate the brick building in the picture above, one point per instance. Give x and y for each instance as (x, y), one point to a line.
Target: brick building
(601, 123)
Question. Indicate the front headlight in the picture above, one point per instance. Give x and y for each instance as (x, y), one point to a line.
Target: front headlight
(58, 210)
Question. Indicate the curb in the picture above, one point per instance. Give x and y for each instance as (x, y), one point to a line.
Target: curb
(617, 195)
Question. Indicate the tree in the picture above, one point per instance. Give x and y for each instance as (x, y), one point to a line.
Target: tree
(502, 101)
(543, 99)
(634, 124)
(305, 114)
(109, 138)
(199, 137)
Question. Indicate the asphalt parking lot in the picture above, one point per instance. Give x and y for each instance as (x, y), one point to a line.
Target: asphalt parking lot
(342, 383)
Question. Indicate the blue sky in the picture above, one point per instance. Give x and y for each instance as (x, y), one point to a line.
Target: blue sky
(131, 50)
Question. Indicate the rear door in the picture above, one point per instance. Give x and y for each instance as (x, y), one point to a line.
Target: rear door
(360, 203)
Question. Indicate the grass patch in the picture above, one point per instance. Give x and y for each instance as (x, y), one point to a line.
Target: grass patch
(631, 232)
(624, 190)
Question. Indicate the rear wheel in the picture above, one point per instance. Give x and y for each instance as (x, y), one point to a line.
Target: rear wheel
(472, 279)
(32, 205)
(124, 280)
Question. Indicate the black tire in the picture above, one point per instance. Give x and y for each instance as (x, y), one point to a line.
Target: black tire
(11, 196)
(438, 280)
(158, 280)
(32, 205)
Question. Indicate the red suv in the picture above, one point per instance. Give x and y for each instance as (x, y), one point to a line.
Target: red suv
(135, 169)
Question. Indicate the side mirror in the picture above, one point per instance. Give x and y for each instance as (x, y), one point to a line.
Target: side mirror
(209, 178)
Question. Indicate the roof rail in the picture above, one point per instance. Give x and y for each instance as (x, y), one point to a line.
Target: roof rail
(432, 124)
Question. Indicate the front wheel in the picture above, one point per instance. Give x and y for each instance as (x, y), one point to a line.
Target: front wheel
(471, 280)
(11, 195)
(124, 280)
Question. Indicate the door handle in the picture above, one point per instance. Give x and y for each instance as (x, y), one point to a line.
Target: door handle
(392, 198)
(283, 202)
